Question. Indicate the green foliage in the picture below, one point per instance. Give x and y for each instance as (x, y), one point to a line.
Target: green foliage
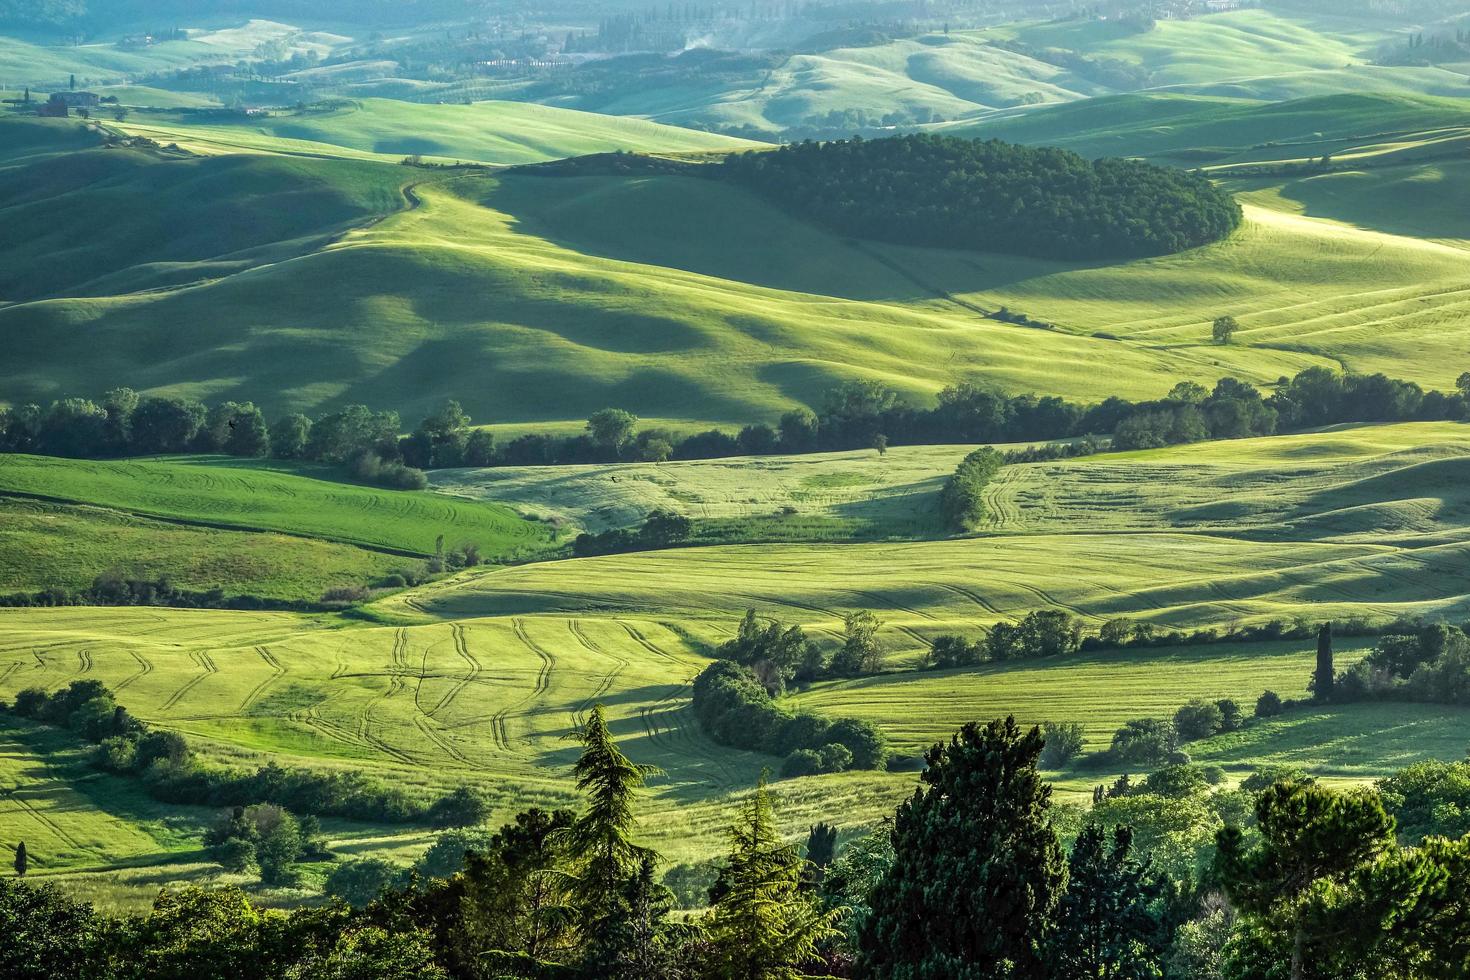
(600, 842)
(48, 936)
(1064, 742)
(463, 806)
(361, 880)
(517, 893)
(446, 856)
(1428, 799)
(1324, 886)
(947, 192)
(765, 925)
(372, 953)
(1107, 923)
(860, 652)
(1144, 742)
(1198, 719)
(977, 867)
(962, 501)
(1224, 329)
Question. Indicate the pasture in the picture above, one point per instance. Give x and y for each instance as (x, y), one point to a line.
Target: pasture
(255, 495)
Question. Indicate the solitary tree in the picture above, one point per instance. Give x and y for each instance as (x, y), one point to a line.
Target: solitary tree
(977, 867)
(1224, 329)
(22, 860)
(611, 428)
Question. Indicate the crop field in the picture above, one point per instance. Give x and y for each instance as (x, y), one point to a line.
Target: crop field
(852, 493)
(220, 491)
(487, 702)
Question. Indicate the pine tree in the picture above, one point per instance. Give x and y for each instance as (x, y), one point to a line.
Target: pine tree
(22, 860)
(600, 842)
(1326, 885)
(978, 868)
(764, 924)
(1106, 924)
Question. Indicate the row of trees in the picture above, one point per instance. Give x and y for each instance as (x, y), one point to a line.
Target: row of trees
(969, 879)
(168, 769)
(855, 415)
(992, 196)
(1428, 664)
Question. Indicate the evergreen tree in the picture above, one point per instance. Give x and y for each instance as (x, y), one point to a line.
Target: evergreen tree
(1322, 679)
(1326, 886)
(22, 860)
(764, 924)
(1106, 922)
(600, 841)
(978, 869)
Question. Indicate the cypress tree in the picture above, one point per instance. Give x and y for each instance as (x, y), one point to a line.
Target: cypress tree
(22, 860)
(1322, 680)
(977, 870)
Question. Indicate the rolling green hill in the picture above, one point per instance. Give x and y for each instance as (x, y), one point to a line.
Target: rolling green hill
(229, 493)
(1217, 131)
(504, 133)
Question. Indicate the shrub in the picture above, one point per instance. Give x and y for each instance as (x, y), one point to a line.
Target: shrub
(1268, 705)
(461, 807)
(446, 855)
(359, 881)
(1198, 719)
(1064, 742)
(802, 762)
(835, 757)
(1144, 741)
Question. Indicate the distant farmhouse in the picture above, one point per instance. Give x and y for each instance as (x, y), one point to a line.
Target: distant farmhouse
(61, 103)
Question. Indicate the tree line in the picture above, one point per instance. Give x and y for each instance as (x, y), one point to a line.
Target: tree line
(947, 192)
(165, 764)
(854, 415)
(971, 877)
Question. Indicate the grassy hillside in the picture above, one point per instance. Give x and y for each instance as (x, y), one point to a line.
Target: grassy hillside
(49, 66)
(517, 296)
(55, 546)
(854, 494)
(107, 221)
(505, 133)
(1214, 130)
(243, 494)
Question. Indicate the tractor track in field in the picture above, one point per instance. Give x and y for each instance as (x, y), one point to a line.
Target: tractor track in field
(84, 661)
(398, 666)
(499, 727)
(145, 667)
(682, 743)
(973, 597)
(424, 725)
(461, 647)
(398, 663)
(44, 820)
(608, 679)
(277, 672)
(208, 669)
(878, 597)
(16, 665)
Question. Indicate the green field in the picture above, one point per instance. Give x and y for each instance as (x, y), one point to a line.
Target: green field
(54, 546)
(504, 133)
(248, 495)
